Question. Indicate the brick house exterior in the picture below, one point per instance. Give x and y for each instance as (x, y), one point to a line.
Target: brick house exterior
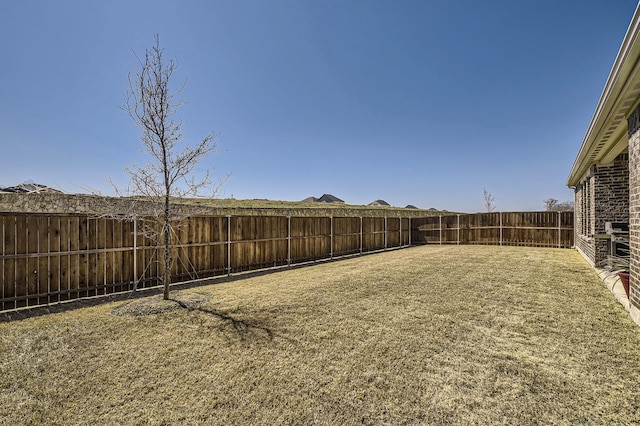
(634, 222)
(601, 196)
(606, 172)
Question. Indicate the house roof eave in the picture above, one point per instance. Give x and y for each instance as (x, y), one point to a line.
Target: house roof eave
(619, 94)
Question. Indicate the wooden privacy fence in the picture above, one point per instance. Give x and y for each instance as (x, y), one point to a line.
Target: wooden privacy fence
(52, 258)
(533, 229)
(48, 259)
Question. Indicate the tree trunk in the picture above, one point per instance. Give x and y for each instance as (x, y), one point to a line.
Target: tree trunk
(166, 229)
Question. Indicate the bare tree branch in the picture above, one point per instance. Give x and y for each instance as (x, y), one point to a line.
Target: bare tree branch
(170, 171)
(489, 201)
(551, 204)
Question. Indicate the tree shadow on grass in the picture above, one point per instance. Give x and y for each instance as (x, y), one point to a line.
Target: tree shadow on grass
(241, 326)
(193, 302)
(84, 302)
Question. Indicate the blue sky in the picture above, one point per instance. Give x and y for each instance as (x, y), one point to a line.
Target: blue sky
(423, 102)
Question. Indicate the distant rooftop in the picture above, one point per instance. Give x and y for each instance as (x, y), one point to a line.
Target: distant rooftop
(326, 198)
(29, 188)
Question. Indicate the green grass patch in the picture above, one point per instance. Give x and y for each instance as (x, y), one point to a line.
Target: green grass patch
(426, 335)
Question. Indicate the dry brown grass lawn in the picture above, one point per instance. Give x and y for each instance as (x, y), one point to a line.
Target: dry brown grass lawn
(427, 335)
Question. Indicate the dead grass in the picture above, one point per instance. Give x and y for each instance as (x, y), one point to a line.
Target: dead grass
(427, 335)
(298, 208)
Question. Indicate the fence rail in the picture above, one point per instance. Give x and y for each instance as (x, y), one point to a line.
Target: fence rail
(48, 259)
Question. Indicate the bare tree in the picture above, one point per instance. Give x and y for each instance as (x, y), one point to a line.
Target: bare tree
(566, 206)
(489, 201)
(170, 171)
(550, 204)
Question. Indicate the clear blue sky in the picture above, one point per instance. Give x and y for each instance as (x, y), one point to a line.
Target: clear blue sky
(422, 102)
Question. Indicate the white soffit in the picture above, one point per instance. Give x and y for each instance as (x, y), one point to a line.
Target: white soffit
(606, 136)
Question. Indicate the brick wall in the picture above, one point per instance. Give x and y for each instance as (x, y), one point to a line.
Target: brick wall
(586, 247)
(611, 200)
(603, 196)
(611, 193)
(591, 201)
(634, 215)
(579, 197)
(583, 239)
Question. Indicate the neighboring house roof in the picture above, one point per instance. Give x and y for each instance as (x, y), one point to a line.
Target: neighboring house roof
(29, 188)
(328, 198)
(310, 200)
(379, 203)
(410, 206)
(607, 135)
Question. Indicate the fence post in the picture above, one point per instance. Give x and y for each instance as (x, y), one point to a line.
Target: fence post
(440, 217)
(559, 230)
(400, 242)
(360, 234)
(331, 236)
(228, 244)
(385, 232)
(135, 253)
(410, 231)
(500, 228)
(288, 240)
(458, 229)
